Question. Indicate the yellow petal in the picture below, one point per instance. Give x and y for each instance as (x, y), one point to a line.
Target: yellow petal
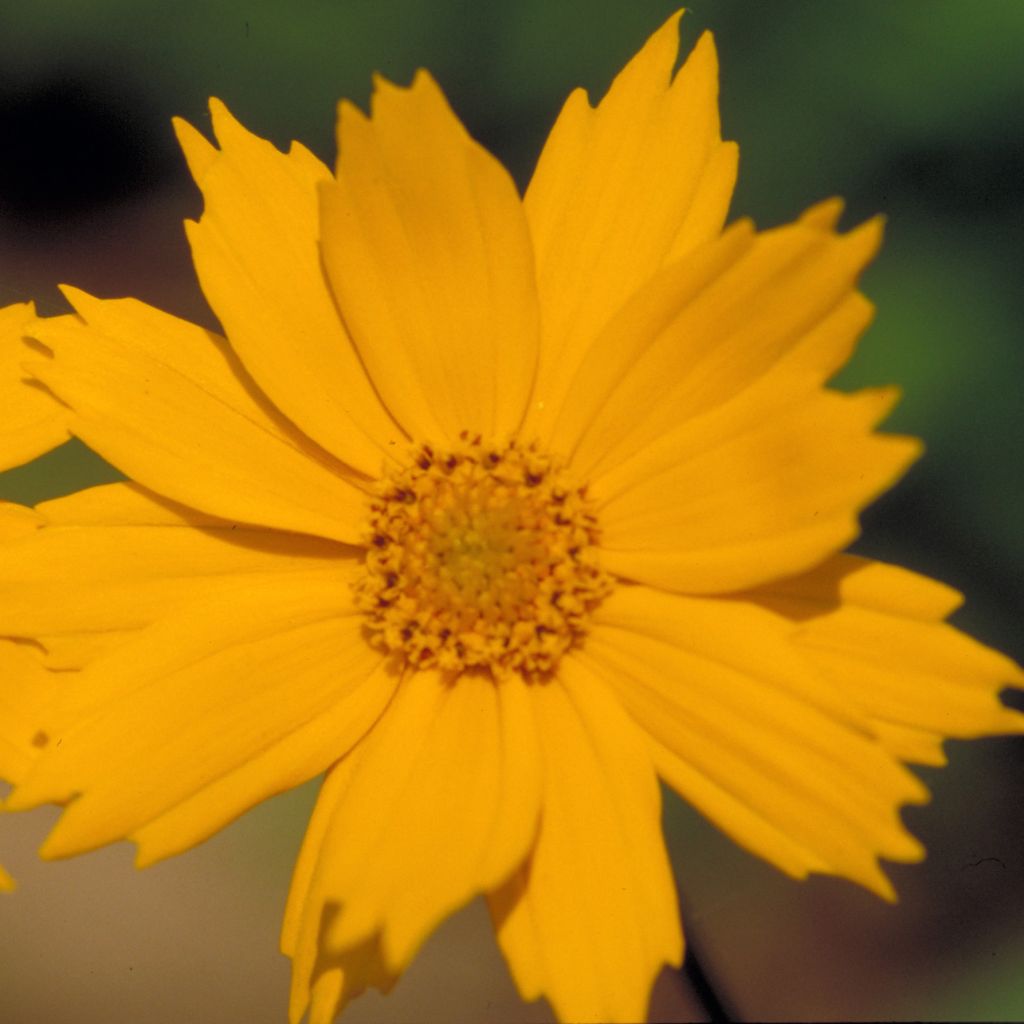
(620, 191)
(355, 704)
(162, 400)
(246, 694)
(913, 746)
(324, 981)
(65, 652)
(758, 488)
(710, 326)
(442, 806)
(824, 215)
(17, 521)
(875, 632)
(337, 979)
(427, 251)
(116, 558)
(742, 727)
(257, 253)
(590, 919)
(27, 693)
(31, 421)
(876, 586)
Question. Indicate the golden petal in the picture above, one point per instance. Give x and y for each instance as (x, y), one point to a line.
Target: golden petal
(761, 487)
(442, 805)
(619, 192)
(743, 727)
(161, 399)
(116, 558)
(716, 323)
(257, 253)
(231, 699)
(33, 422)
(323, 982)
(877, 635)
(426, 247)
(592, 917)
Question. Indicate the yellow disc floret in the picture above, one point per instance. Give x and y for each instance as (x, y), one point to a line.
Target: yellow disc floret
(480, 556)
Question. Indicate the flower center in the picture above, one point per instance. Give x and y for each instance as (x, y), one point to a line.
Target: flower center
(481, 556)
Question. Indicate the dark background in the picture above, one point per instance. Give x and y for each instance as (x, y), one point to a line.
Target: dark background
(908, 107)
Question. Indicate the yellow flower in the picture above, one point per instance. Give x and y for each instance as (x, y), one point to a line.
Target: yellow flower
(496, 510)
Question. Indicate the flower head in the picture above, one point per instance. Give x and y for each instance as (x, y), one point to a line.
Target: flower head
(496, 510)
(480, 557)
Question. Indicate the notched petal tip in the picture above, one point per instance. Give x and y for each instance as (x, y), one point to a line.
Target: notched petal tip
(1007, 720)
(824, 215)
(866, 239)
(423, 80)
(882, 887)
(73, 834)
(350, 120)
(384, 90)
(910, 450)
(54, 848)
(657, 58)
(40, 786)
(704, 55)
(389, 99)
(224, 122)
(230, 133)
(380, 82)
(847, 253)
(880, 401)
(79, 299)
(705, 39)
(663, 44)
(198, 151)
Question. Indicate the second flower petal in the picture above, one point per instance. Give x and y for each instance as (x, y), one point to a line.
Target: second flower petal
(744, 729)
(762, 487)
(159, 398)
(442, 804)
(876, 633)
(257, 255)
(591, 918)
(262, 681)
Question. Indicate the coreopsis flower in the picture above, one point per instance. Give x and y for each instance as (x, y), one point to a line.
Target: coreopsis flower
(496, 510)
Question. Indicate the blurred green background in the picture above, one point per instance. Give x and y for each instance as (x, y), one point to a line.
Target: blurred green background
(908, 107)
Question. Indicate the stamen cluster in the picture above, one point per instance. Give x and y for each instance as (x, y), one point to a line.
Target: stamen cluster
(480, 556)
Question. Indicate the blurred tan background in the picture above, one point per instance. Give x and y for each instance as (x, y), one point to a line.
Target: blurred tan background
(909, 107)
